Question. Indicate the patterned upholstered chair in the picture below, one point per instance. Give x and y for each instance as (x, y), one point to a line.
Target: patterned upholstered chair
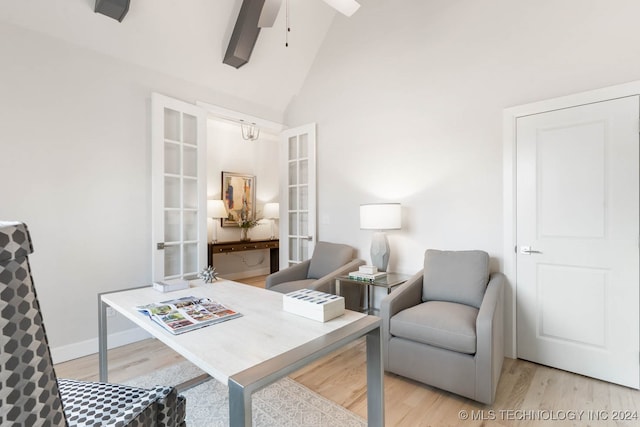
(30, 393)
(444, 326)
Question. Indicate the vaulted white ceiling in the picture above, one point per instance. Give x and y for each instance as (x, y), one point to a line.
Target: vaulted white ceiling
(187, 39)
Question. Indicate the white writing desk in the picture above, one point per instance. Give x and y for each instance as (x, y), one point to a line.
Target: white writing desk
(252, 351)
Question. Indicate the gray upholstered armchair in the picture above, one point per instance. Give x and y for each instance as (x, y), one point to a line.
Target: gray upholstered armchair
(30, 393)
(444, 326)
(328, 261)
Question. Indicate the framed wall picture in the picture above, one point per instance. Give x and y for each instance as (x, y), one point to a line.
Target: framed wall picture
(239, 196)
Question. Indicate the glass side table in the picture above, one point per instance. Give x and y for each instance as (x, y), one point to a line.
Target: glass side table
(390, 281)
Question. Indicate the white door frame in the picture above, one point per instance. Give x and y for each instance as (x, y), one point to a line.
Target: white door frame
(510, 115)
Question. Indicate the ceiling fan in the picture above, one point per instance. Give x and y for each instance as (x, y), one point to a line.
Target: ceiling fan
(271, 8)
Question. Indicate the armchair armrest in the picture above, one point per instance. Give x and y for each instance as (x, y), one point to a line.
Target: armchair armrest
(490, 335)
(295, 272)
(327, 283)
(404, 296)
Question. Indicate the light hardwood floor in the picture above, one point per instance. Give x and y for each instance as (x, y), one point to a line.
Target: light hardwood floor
(528, 394)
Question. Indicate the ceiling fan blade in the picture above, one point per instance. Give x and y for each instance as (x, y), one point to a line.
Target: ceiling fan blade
(269, 13)
(346, 7)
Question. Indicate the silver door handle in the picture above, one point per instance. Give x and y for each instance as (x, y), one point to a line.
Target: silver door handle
(307, 237)
(526, 250)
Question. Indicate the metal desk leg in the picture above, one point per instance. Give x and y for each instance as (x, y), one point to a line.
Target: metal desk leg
(102, 340)
(239, 405)
(375, 379)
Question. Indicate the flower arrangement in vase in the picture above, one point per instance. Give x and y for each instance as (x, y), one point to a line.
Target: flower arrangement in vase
(246, 225)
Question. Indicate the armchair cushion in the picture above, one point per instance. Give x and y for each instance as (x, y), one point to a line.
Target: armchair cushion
(91, 403)
(441, 324)
(455, 276)
(328, 257)
(294, 285)
(289, 274)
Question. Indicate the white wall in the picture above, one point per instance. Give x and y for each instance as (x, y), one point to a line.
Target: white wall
(409, 98)
(75, 166)
(228, 152)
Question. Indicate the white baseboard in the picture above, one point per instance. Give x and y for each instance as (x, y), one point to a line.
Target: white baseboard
(85, 348)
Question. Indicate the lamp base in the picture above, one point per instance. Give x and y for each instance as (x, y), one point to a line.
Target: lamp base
(273, 233)
(380, 250)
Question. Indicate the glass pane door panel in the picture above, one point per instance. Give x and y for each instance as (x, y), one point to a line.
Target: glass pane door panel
(190, 194)
(190, 165)
(303, 172)
(171, 192)
(304, 249)
(304, 224)
(293, 223)
(293, 148)
(171, 226)
(293, 249)
(293, 173)
(293, 198)
(190, 258)
(303, 146)
(304, 198)
(171, 260)
(171, 158)
(171, 124)
(190, 225)
(190, 129)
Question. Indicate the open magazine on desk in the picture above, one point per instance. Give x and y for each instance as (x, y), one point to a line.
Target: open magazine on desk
(187, 313)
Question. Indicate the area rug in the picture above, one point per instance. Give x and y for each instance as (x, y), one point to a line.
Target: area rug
(283, 403)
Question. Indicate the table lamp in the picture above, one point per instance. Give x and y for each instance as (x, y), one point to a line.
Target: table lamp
(380, 216)
(271, 211)
(216, 210)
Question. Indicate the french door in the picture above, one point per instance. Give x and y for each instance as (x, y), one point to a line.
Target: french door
(179, 223)
(298, 194)
(577, 235)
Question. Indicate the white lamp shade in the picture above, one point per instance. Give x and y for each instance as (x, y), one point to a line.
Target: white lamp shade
(381, 216)
(216, 209)
(271, 211)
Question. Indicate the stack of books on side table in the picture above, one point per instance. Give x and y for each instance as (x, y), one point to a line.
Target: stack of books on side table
(314, 305)
(367, 273)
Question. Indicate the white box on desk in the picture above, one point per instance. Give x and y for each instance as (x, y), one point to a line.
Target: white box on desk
(314, 305)
(170, 285)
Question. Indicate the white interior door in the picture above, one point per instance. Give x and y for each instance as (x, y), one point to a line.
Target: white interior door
(298, 194)
(179, 193)
(577, 296)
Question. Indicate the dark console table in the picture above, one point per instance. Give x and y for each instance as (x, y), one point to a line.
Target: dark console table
(252, 245)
